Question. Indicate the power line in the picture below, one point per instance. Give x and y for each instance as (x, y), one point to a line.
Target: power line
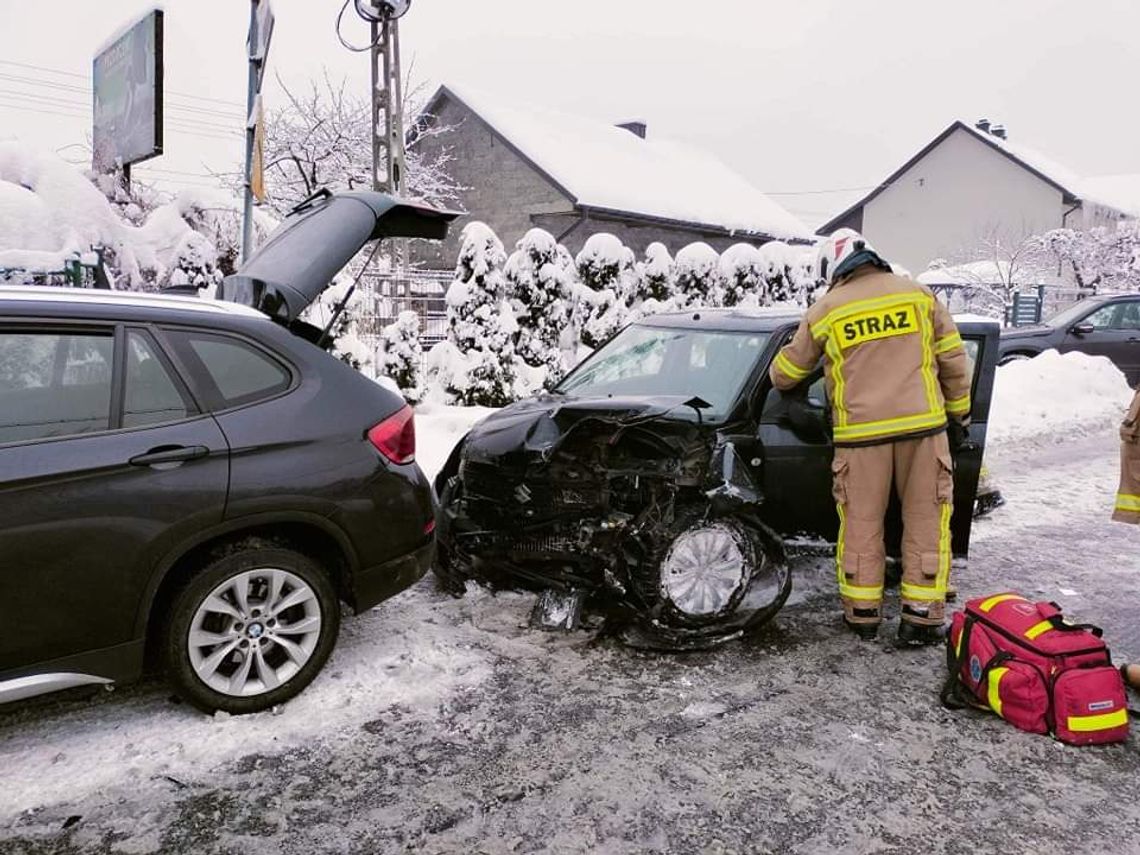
(188, 130)
(237, 104)
(192, 122)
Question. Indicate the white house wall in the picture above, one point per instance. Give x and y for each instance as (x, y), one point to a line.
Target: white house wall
(951, 201)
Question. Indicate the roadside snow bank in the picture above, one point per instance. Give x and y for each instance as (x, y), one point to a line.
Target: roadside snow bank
(438, 428)
(1055, 398)
(403, 653)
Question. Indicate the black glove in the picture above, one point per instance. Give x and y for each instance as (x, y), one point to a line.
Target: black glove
(958, 432)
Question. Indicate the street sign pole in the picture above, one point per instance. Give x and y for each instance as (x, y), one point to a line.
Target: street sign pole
(251, 98)
(260, 34)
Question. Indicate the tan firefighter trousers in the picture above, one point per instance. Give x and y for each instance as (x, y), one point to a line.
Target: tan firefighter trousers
(1128, 496)
(922, 474)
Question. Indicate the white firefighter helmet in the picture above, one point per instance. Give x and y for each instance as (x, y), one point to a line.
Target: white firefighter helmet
(841, 252)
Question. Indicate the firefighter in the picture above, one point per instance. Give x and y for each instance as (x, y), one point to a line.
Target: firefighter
(897, 375)
(1128, 497)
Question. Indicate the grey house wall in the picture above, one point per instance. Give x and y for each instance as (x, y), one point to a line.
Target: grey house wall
(511, 196)
(503, 190)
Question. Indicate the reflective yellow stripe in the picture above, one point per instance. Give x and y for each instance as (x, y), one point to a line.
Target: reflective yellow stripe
(928, 377)
(839, 393)
(943, 579)
(888, 427)
(999, 598)
(992, 693)
(958, 406)
(790, 368)
(822, 327)
(1104, 721)
(948, 342)
(1125, 502)
(852, 592)
(922, 593)
(1037, 629)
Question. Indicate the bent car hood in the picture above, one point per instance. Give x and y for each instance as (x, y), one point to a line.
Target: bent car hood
(540, 424)
(318, 238)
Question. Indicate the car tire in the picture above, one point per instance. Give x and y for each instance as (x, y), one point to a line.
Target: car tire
(764, 562)
(251, 630)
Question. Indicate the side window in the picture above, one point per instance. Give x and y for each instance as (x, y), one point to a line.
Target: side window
(1129, 316)
(1102, 318)
(54, 384)
(150, 395)
(239, 372)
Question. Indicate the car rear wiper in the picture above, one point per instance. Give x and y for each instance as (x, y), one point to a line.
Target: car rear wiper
(311, 200)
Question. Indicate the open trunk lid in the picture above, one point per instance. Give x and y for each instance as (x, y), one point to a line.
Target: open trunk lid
(318, 238)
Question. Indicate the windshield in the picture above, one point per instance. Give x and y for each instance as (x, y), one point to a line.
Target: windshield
(1072, 314)
(652, 361)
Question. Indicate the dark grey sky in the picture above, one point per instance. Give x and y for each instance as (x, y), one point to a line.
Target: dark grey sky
(800, 95)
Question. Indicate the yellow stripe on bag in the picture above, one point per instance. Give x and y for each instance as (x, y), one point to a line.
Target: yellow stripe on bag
(993, 695)
(998, 598)
(1037, 629)
(1104, 721)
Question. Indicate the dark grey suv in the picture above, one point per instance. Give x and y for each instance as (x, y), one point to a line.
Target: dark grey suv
(1100, 326)
(191, 482)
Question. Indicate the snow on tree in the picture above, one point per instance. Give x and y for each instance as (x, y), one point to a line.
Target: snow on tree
(656, 276)
(606, 272)
(540, 288)
(789, 272)
(401, 356)
(480, 323)
(348, 343)
(322, 137)
(698, 276)
(742, 272)
(1101, 259)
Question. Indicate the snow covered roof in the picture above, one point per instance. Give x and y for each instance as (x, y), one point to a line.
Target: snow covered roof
(606, 168)
(1121, 192)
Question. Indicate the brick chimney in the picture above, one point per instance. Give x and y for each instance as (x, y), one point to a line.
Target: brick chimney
(983, 125)
(998, 131)
(637, 128)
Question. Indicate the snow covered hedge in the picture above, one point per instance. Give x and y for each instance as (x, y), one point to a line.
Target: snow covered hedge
(516, 325)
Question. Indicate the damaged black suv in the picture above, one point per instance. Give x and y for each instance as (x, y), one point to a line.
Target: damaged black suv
(664, 482)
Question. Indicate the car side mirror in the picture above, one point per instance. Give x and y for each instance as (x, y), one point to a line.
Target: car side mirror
(1083, 329)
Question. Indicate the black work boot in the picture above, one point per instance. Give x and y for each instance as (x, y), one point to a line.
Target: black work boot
(865, 631)
(920, 635)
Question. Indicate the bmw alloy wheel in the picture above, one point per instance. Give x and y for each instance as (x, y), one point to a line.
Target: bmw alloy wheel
(254, 632)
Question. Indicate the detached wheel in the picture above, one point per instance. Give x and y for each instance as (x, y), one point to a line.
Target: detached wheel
(709, 581)
(251, 630)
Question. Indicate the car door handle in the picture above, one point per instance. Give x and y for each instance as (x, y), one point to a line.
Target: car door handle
(169, 456)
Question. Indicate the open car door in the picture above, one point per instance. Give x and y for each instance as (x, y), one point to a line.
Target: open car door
(796, 451)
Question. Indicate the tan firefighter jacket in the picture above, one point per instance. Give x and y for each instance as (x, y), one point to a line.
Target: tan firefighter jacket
(1128, 497)
(895, 364)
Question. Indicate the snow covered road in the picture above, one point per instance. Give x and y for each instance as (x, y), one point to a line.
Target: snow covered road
(446, 725)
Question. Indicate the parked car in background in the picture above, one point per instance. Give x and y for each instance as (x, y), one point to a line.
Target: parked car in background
(664, 479)
(1099, 326)
(193, 481)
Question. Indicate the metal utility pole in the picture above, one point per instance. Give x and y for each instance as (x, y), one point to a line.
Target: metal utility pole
(388, 152)
(260, 34)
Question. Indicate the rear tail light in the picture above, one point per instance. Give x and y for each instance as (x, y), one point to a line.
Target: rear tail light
(395, 437)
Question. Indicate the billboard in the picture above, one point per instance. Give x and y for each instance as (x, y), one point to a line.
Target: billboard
(127, 78)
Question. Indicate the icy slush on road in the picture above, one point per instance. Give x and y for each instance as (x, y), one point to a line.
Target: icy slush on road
(660, 483)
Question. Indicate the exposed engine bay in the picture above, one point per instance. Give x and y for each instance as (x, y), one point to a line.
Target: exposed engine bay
(632, 507)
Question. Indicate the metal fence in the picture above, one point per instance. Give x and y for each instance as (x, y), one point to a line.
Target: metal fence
(389, 294)
(1027, 305)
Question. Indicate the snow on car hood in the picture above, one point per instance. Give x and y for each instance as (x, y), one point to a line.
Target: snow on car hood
(318, 238)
